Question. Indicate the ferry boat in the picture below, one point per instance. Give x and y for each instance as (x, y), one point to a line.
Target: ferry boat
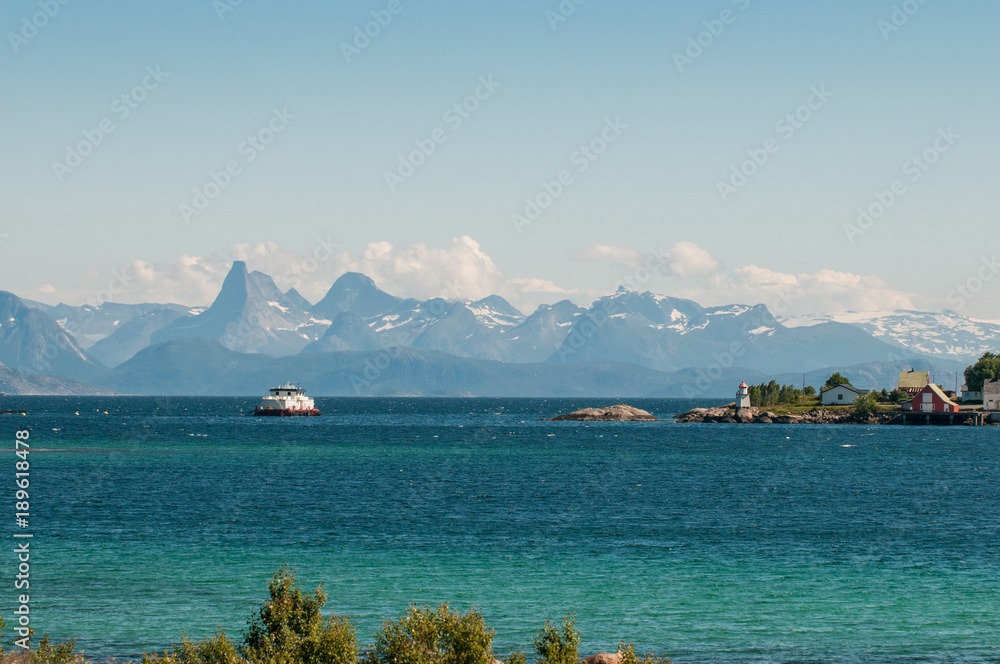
(286, 401)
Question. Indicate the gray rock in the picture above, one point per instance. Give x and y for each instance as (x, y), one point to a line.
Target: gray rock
(616, 413)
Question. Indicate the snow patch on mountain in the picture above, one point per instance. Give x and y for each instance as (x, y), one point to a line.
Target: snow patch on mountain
(944, 334)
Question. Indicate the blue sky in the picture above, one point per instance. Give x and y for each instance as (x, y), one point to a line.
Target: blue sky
(784, 232)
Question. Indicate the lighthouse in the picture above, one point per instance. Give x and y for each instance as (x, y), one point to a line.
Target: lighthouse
(743, 396)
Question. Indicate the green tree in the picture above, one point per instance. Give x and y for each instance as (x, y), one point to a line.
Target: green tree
(866, 404)
(987, 368)
(288, 628)
(809, 391)
(835, 380)
(428, 636)
(898, 395)
(558, 647)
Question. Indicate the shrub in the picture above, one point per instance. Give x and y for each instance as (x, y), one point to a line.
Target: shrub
(555, 647)
(428, 636)
(49, 653)
(866, 404)
(628, 656)
(289, 628)
(516, 657)
(216, 650)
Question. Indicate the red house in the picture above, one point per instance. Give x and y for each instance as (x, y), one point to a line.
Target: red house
(931, 400)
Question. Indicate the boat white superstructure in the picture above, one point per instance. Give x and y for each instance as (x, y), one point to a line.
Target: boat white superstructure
(286, 401)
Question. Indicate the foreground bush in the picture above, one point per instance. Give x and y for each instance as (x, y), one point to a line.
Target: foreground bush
(428, 636)
(289, 629)
(627, 656)
(216, 650)
(555, 647)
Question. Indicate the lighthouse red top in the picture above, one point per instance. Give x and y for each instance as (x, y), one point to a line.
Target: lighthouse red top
(743, 384)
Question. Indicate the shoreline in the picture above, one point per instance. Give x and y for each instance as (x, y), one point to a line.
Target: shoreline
(729, 414)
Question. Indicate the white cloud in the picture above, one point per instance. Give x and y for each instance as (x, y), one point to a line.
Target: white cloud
(686, 259)
(623, 256)
(826, 291)
(461, 270)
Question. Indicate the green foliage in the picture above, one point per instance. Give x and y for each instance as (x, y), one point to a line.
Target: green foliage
(773, 394)
(835, 380)
(516, 657)
(987, 368)
(289, 629)
(428, 636)
(866, 404)
(898, 395)
(628, 656)
(555, 647)
(216, 650)
(48, 653)
(809, 391)
(884, 394)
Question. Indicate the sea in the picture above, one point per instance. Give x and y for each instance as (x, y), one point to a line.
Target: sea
(152, 519)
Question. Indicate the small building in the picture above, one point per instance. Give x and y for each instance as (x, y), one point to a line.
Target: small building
(971, 395)
(743, 396)
(842, 395)
(931, 399)
(913, 382)
(991, 395)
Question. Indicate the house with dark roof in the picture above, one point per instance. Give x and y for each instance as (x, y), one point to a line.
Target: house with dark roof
(842, 395)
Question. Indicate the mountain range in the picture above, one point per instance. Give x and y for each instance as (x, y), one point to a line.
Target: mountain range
(358, 339)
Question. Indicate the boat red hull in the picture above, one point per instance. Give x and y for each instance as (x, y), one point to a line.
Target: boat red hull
(274, 412)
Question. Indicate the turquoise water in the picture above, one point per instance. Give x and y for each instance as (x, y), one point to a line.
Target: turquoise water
(709, 543)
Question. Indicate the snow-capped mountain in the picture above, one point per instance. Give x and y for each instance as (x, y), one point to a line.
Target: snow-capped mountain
(250, 315)
(671, 334)
(637, 331)
(32, 342)
(90, 324)
(945, 335)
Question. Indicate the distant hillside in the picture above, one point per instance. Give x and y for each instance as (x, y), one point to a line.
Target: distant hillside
(204, 367)
(21, 383)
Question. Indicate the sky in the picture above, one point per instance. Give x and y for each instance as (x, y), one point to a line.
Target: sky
(814, 157)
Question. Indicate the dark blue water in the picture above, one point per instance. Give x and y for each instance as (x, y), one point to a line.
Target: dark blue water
(709, 543)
